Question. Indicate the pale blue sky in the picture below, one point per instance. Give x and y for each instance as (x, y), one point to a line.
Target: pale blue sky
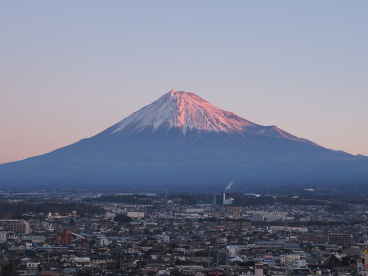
(69, 69)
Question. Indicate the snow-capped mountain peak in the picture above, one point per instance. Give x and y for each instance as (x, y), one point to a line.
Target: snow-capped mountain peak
(188, 111)
(185, 110)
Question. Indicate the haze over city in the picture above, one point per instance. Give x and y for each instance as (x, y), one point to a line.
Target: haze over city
(69, 70)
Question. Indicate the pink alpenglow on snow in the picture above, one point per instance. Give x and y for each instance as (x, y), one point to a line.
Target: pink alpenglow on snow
(187, 110)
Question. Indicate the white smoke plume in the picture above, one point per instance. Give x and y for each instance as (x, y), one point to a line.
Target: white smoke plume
(229, 186)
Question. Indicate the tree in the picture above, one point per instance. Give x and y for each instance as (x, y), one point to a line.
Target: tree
(7, 270)
(121, 219)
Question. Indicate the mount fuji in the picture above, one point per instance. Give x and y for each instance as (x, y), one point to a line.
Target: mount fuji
(183, 143)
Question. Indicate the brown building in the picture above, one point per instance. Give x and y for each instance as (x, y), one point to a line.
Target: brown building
(236, 224)
(338, 239)
(315, 238)
(233, 210)
(16, 226)
(65, 238)
(48, 273)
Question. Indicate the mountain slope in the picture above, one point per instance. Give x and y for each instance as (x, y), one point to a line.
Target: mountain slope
(182, 142)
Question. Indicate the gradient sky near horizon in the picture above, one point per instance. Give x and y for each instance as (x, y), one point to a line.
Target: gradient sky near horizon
(70, 69)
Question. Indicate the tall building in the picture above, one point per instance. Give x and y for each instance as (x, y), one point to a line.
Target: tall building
(214, 201)
(340, 239)
(259, 270)
(135, 214)
(3, 236)
(163, 238)
(16, 226)
(65, 238)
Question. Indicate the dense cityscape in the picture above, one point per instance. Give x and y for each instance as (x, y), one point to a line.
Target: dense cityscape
(89, 233)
